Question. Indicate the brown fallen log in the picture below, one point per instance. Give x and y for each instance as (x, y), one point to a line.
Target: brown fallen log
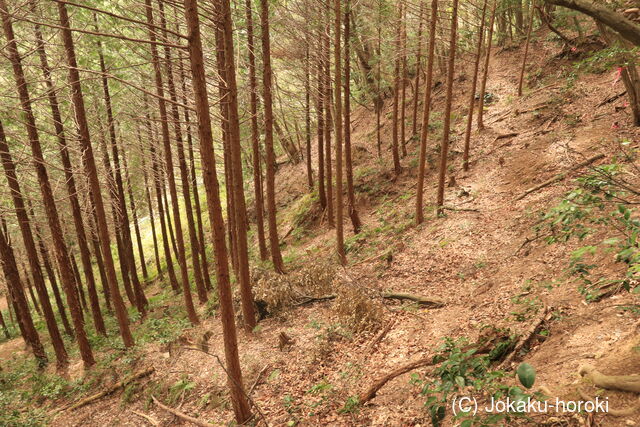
(108, 391)
(527, 336)
(421, 300)
(371, 392)
(180, 415)
(560, 176)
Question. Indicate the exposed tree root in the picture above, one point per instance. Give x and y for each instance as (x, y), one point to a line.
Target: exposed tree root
(615, 412)
(611, 382)
(560, 176)
(180, 415)
(371, 392)
(109, 390)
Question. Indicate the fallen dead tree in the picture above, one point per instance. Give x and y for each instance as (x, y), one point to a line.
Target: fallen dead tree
(421, 300)
(560, 176)
(110, 390)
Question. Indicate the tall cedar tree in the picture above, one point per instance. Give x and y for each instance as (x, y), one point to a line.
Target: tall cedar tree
(60, 247)
(274, 241)
(92, 173)
(239, 401)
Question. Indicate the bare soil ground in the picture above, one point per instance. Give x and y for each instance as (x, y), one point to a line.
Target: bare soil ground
(472, 259)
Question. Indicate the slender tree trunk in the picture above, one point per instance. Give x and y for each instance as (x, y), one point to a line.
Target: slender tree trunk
(46, 260)
(17, 296)
(274, 241)
(76, 274)
(61, 251)
(85, 254)
(96, 249)
(173, 281)
(34, 300)
(91, 171)
(351, 199)
(239, 401)
(182, 259)
(337, 58)
(379, 101)
(194, 180)
(403, 77)
(134, 213)
(448, 104)
(328, 172)
(255, 136)
(307, 107)
(526, 53)
(396, 95)
(472, 95)
(125, 228)
(320, 119)
(7, 335)
(416, 92)
(147, 193)
(182, 164)
(487, 59)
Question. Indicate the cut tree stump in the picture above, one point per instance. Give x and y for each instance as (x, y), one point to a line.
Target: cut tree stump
(560, 176)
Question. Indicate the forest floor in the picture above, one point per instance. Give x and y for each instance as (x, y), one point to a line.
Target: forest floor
(476, 259)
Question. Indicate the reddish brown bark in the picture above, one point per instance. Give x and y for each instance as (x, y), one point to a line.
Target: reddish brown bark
(328, 120)
(337, 57)
(92, 173)
(238, 398)
(255, 137)
(487, 59)
(351, 199)
(472, 95)
(446, 127)
(166, 141)
(274, 241)
(396, 95)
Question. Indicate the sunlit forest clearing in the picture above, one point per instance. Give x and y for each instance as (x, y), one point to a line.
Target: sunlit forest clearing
(341, 213)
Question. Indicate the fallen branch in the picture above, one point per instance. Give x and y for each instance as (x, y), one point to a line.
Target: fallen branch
(527, 336)
(612, 98)
(560, 176)
(611, 382)
(505, 135)
(149, 418)
(421, 300)
(379, 337)
(454, 209)
(371, 392)
(180, 414)
(255, 383)
(109, 390)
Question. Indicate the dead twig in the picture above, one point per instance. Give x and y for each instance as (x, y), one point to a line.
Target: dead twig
(560, 176)
(255, 383)
(371, 392)
(180, 414)
(149, 418)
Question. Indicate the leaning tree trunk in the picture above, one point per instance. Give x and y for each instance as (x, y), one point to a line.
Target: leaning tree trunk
(351, 199)
(228, 72)
(85, 254)
(239, 401)
(426, 113)
(485, 74)
(274, 241)
(166, 140)
(92, 173)
(53, 219)
(472, 94)
(16, 291)
(444, 149)
(255, 136)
